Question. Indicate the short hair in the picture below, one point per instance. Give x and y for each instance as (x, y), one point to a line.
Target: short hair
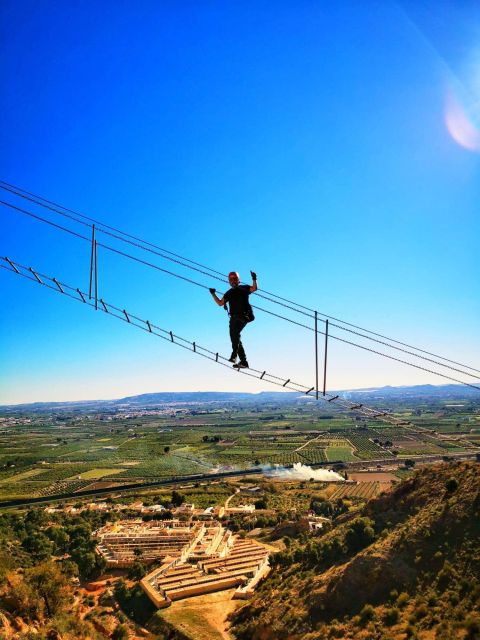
(234, 273)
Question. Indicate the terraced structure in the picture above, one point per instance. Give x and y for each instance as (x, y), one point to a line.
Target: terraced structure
(237, 563)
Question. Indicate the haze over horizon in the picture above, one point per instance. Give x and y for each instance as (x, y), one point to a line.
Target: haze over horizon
(342, 167)
(436, 389)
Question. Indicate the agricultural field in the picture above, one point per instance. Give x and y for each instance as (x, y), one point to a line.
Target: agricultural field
(61, 449)
(344, 454)
(361, 491)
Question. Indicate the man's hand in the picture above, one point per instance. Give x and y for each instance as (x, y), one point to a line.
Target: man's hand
(254, 275)
(213, 291)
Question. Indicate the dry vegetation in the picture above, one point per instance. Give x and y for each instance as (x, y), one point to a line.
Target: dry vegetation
(406, 567)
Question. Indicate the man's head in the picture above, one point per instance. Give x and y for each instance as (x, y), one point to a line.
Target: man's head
(233, 279)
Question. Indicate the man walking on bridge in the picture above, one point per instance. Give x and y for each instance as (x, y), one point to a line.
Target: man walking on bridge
(240, 313)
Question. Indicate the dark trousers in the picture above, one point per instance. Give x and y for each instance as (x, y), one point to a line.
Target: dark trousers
(236, 327)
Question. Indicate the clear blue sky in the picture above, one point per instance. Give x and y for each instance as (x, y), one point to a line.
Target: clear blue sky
(305, 140)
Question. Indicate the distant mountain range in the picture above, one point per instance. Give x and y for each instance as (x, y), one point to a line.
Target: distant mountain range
(452, 392)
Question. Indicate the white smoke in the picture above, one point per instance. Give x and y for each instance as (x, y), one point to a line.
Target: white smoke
(303, 472)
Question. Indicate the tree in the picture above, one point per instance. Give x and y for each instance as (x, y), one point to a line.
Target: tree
(121, 590)
(35, 519)
(86, 562)
(59, 537)
(50, 585)
(7, 563)
(451, 485)
(120, 632)
(163, 515)
(137, 571)
(177, 499)
(70, 568)
(360, 534)
(38, 545)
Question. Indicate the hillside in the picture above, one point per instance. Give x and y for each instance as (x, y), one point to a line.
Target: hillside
(406, 566)
(381, 395)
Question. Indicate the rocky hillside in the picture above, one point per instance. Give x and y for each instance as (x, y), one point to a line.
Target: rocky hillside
(407, 566)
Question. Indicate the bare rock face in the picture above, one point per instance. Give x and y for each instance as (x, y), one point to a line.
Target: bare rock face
(20, 625)
(6, 630)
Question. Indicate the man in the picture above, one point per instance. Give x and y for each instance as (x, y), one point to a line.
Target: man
(240, 313)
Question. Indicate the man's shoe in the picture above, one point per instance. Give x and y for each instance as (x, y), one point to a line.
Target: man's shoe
(241, 365)
(232, 358)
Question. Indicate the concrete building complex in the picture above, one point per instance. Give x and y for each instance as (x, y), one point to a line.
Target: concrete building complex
(121, 543)
(197, 558)
(240, 564)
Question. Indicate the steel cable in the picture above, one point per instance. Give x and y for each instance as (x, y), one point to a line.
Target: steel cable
(198, 284)
(210, 272)
(79, 296)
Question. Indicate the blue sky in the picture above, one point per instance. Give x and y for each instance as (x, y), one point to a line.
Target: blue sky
(307, 142)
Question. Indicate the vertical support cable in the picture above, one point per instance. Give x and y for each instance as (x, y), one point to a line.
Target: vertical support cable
(96, 277)
(92, 256)
(316, 355)
(325, 359)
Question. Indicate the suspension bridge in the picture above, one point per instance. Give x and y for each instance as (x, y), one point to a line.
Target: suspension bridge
(380, 344)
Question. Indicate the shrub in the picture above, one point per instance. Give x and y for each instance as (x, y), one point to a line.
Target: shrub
(403, 600)
(472, 626)
(367, 613)
(410, 631)
(391, 617)
(137, 571)
(420, 611)
(360, 534)
(446, 575)
(120, 632)
(451, 485)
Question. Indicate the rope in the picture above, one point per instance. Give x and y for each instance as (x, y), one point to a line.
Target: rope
(275, 299)
(194, 347)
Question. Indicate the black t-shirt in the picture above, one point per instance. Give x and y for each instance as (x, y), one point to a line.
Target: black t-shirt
(237, 299)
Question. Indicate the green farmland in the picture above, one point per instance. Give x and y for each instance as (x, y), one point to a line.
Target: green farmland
(48, 452)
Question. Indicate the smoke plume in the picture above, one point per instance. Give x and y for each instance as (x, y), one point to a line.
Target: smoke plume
(303, 472)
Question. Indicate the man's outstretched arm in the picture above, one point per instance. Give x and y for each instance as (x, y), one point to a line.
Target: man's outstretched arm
(254, 287)
(216, 298)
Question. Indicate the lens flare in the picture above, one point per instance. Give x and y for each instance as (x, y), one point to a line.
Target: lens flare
(460, 124)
